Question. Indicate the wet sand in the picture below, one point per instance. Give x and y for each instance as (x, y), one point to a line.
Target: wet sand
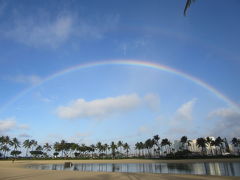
(18, 171)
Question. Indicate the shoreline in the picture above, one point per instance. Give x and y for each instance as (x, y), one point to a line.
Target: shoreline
(18, 170)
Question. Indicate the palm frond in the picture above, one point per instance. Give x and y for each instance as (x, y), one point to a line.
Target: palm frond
(188, 4)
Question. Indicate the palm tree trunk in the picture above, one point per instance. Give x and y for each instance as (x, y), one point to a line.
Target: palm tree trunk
(27, 152)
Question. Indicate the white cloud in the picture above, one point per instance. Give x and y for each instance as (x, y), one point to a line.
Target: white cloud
(184, 112)
(26, 79)
(50, 34)
(99, 108)
(44, 30)
(7, 124)
(182, 116)
(227, 122)
(224, 113)
(10, 124)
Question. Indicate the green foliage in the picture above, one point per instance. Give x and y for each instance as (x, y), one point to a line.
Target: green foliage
(36, 153)
(56, 153)
(15, 153)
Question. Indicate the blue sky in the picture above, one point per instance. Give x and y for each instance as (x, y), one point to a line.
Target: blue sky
(118, 102)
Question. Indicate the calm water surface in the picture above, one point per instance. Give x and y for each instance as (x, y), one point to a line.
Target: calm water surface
(216, 168)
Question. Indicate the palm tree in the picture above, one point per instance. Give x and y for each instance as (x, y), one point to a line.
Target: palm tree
(189, 143)
(183, 141)
(187, 5)
(120, 144)
(92, 149)
(47, 147)
(201, 142)
(57, 147)
(27, 144)
(39, 148)
(99, 147)
(142, 146)
(15, 143)
(1, 143)
(236, 143)
(126, 147)
(209, 141)
(33, 143)
(165, 142)
(113, 147)
(37, 152)
(73, 148)
(105, 148)
(5, 149)
(149, 144)
(137, 147)
(5, 141)
(62, 146)
(218, 142)
(156, 139)
(66, 148)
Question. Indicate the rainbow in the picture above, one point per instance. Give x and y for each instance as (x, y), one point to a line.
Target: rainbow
(129, 63)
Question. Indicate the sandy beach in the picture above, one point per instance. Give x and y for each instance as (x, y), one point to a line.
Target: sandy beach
(18, 171)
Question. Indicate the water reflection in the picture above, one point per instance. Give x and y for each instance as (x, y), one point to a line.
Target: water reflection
(220, 169)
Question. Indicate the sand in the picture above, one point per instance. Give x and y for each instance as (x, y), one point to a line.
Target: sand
(18, 171)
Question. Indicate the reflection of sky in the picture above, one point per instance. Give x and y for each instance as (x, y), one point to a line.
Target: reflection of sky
(220, 169)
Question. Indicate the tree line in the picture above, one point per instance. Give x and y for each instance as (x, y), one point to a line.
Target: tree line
(151, 148)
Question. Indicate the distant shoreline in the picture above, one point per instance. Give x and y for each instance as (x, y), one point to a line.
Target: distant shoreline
(206, 158)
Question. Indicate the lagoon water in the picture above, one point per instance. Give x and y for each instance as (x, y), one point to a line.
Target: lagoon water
(215, 168)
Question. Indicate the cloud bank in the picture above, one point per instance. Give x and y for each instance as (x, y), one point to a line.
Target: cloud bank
(103, 108)
(46, 30)
(10, 124)
(184, 112)
(182, 116)
(227, 122)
